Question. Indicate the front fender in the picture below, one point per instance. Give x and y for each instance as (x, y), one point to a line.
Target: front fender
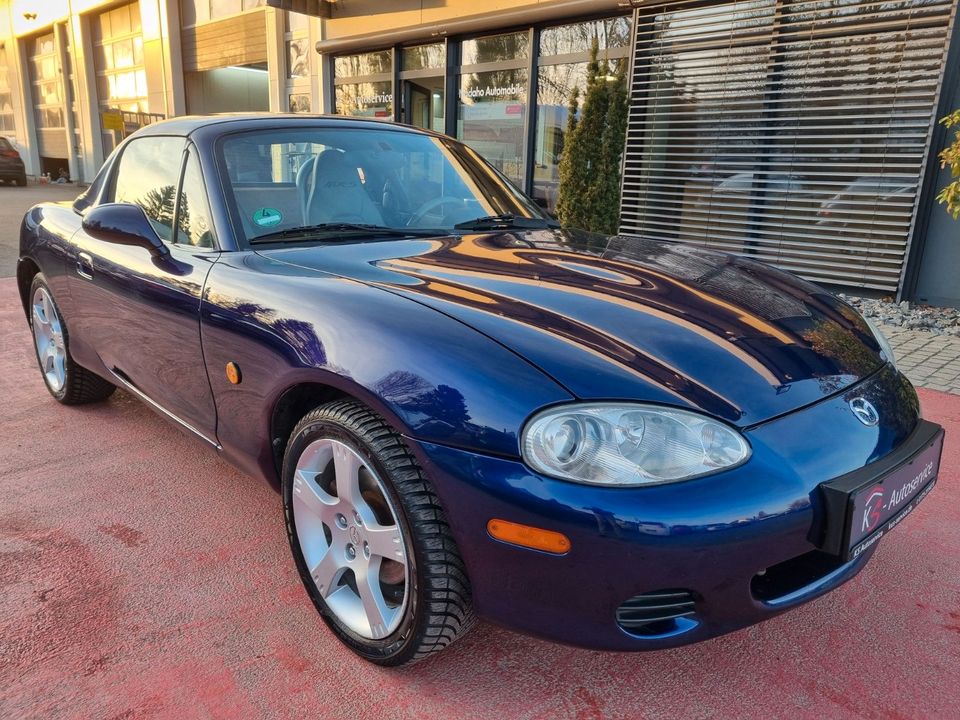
(433, 378)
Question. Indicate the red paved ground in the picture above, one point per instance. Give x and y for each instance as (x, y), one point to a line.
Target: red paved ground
(143, 577)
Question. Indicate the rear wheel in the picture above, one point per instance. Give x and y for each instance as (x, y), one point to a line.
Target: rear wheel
(369, 538)
(69, 383)
(22, 180)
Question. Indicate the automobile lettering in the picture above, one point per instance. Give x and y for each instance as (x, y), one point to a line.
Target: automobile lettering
(898, 496)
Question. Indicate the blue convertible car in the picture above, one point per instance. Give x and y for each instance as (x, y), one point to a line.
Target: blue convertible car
(615, 443)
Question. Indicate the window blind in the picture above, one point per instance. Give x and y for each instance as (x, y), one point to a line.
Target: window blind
(791, 131)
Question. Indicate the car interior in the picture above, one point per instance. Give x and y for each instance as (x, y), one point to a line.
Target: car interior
(378, 183)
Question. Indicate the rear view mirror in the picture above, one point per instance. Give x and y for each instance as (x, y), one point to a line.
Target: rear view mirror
(124, 224)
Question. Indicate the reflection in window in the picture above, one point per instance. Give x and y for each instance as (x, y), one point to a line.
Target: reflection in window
(47, 103)
(148, 175)
(565, 51)
(512, 46)
(298, 58)
(421, 57)
(491, 115)
(193, 216)
(369, 99)
(373, 63)
(578, 38)
(299, 103)
(363, 84)
(555, 85)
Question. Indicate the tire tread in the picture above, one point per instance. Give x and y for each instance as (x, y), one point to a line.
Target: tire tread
(445, 593)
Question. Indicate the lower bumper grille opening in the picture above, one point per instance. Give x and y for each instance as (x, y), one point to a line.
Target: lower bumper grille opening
(792, 575)
(663, 612)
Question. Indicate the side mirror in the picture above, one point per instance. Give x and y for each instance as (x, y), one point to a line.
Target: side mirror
(124, 224)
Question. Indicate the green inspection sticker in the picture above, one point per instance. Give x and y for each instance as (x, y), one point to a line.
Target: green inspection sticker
(267, 217)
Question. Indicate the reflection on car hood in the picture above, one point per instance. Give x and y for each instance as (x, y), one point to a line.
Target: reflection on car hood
(618, 318)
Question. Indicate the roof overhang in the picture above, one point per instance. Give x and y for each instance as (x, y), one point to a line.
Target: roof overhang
(317, 8)
(481, 22)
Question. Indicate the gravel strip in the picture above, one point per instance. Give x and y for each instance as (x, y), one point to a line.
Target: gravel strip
(935, 320)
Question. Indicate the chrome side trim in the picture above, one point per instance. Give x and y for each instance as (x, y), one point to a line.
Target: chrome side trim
(130, 387)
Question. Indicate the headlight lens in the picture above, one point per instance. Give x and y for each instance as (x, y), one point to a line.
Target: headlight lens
(628, 444)
(882, 342)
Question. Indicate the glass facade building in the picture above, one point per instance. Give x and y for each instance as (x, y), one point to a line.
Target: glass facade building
(511, 91)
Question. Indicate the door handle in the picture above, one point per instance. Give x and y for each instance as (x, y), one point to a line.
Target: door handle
(85, 265)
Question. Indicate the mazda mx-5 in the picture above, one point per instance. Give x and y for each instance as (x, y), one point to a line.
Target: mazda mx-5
(618, 443)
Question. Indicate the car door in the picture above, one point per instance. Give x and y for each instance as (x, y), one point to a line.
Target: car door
(141, 311)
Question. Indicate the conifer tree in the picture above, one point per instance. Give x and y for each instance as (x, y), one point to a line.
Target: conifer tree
(589, 195)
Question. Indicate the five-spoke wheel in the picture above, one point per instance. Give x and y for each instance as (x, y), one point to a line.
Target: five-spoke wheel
(48, 336)
(369, 537)
(350, 538)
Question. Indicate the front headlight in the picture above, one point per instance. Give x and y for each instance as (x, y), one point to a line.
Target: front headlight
(628, 444)
(882, 342)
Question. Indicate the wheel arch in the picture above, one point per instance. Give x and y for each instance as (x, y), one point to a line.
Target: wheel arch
(291, 405)
(27, 269)
(300, 398)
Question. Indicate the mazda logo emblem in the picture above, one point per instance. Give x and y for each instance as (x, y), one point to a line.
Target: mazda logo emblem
(865, 411)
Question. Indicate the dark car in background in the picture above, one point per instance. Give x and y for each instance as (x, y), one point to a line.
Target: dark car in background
(616, 443)
(11, 164)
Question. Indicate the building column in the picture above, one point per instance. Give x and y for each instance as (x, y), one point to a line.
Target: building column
(324, 70)
(88, 106)
(276, 61)
(160, 25)
(22, 90)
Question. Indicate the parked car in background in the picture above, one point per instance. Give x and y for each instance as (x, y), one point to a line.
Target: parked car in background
(11, 164)
(615, 443)
(747, 182)
(860, 204)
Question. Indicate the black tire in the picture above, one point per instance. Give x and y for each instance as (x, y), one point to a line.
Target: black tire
(438, 610)
(22, 181)
(80, 385)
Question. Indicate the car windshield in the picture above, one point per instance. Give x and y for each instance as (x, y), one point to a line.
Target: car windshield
(339, 182)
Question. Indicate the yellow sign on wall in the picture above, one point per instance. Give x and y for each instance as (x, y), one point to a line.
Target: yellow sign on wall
(112, 120)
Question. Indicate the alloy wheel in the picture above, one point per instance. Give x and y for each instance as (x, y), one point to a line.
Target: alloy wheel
(351, 538)
(48, 336)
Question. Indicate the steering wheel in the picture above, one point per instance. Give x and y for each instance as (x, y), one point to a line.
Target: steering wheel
(430, 205)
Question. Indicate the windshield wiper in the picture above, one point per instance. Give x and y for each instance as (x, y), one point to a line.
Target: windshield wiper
(310, 232)
(507, 221)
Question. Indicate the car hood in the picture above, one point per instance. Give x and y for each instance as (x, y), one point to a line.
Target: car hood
(622, 318)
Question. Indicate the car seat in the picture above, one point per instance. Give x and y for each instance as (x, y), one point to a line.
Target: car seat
(334, 192)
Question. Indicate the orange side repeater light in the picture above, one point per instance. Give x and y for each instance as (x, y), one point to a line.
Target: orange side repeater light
(529, 537)
(233, 373)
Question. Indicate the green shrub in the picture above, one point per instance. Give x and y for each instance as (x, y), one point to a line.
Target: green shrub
(589, 195)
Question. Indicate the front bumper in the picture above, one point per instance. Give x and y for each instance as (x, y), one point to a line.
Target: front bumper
(738, 547)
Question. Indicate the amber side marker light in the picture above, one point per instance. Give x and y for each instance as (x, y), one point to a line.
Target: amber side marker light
(529, 537)
(233, 373)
